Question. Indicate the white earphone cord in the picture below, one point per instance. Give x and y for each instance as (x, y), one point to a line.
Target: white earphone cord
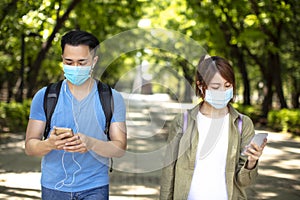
(61, 183)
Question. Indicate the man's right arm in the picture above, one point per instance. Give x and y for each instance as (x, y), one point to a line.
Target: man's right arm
(34, 143)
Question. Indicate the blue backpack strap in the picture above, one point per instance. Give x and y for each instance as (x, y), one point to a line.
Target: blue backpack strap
(50, 101)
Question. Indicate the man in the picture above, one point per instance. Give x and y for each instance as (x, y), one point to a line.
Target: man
(75, 163)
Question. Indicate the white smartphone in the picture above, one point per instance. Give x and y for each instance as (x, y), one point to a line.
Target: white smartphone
(258, 139)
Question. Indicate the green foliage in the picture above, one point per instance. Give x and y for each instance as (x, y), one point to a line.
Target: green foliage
(252, 111)
(14, 116)
(286, 120)
(256, 28)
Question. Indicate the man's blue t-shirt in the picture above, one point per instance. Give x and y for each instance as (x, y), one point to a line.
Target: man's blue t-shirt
(71, 172)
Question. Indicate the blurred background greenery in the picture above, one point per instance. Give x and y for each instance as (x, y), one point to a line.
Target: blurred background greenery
(260, 38)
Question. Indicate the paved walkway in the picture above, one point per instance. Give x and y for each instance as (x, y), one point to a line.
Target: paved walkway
(137, 175)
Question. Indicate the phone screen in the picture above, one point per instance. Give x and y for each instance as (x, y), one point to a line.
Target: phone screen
(258, 139)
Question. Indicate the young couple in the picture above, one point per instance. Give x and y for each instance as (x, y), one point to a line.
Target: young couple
(205, 162)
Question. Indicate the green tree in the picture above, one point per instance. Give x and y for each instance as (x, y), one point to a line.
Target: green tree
(30, 49)
(251, 33)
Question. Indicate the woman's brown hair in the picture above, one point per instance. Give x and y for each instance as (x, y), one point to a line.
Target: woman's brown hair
(207, 67)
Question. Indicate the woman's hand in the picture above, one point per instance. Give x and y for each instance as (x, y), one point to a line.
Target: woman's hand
(254, 152)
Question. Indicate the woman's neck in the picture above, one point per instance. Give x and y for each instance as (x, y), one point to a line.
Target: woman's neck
(209, 111)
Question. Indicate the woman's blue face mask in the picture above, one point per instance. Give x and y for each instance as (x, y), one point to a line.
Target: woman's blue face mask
(77, 75)
(218, 99)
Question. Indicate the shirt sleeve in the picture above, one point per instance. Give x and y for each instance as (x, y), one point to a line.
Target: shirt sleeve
(37, 108)
(119, 114)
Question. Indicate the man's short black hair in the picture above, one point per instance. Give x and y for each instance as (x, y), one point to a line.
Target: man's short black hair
(77, 37)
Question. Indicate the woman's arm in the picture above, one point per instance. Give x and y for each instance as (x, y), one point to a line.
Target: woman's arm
(248, 163)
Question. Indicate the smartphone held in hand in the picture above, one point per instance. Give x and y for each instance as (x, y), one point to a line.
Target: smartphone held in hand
(61, 130)
(257, 139)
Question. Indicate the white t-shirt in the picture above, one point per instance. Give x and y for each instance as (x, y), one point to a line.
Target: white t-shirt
(209, 179)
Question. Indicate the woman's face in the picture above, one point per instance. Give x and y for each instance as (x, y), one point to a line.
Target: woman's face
(218, 83)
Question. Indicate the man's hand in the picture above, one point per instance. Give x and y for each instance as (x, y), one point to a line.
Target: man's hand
(58, 141)
(76, 143)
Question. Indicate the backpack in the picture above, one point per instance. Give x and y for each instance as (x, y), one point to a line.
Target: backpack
(52, 94)
(105, 96)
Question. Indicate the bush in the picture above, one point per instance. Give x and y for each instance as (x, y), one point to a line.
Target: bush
(14, 116)
(286, 120)
(253, 112)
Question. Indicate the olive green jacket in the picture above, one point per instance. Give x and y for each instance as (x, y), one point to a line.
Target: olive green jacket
(181, 153)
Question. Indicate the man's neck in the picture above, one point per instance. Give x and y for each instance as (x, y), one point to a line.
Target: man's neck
(81, 91)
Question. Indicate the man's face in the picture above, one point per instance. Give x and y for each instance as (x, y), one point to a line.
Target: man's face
(78, 56)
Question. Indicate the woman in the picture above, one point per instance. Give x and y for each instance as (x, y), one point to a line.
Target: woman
(205, 160)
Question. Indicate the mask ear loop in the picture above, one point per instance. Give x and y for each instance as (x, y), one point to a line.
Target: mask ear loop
(92, 69)
(93, 66)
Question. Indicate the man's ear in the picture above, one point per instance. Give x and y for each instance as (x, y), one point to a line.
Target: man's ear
(95, 59)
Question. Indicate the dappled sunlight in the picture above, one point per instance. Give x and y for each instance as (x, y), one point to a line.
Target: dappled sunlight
(134, 186)
(20, 186)
(133, 178)
(138, 123)
(274, 173)
(25, 180)
(268, 194)
(137, 190)
(278, 177)
(291, 149)
(133, 115)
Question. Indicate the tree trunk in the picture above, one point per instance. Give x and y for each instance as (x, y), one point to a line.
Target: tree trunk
(238, 54)
(188, 81)
(295, 100)
(276, 69)
(268, 93)
(295, 94)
